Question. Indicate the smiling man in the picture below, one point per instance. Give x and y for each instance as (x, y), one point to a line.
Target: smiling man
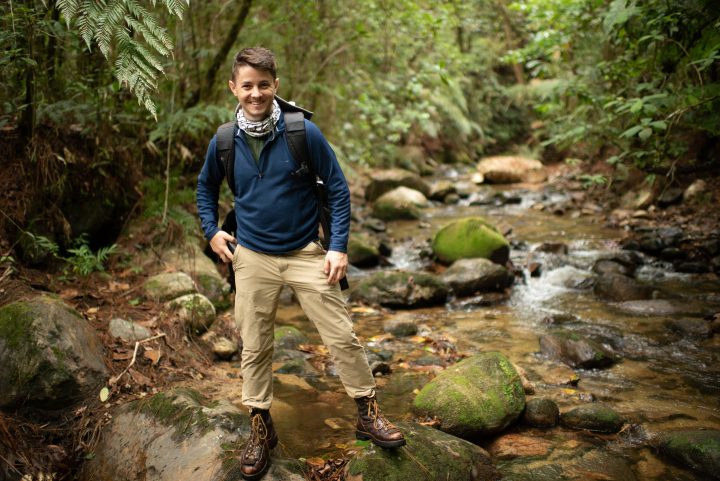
(275, 244)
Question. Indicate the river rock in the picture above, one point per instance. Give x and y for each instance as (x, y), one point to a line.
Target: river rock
(593, 417)
(511, 169)
(435, 456)
(191, 259)
(659, 308)
(401, 289)
(592, 465)
(618, 288)
(50, 356)
(289, 337)
(468, 276)
(384, 181)
(654, 241)
(575, 351)
(441, 189)
(297, 367)
(694, 190)
(541, 413)
(671, 196)
(399, 203)
(480, 395)
(469, 238)
(178, 435)
(696, 449)
(221, 346)
(514, 445)
(127, 331)
(401, 326)
(570, 277)
(363, 250)
(641, 199)
(168, 285)
(699, 328)
(611, 266)
(195, 311)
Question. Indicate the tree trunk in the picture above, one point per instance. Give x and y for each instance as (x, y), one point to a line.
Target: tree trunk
(221, 55)
(510, 41)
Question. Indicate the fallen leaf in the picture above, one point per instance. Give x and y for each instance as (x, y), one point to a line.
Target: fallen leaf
(92, 310)
(419, 339)
(153, 355)
(382, 337)
(139, 378)
(104, 394)
(69, 293)
(315, 462)
(122, 356)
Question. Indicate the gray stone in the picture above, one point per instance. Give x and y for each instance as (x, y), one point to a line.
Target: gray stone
(468, 276)
(480, 395)
(363, 250)
(168, 285)
(593, 417)
(195, 311)
(575, 351)
(128, 331)
(611, 266)
(694, 190)
(400, 289)
(50, 356)
(697, 449)
(399, 203)
(401, 326)
(435, 456)
(618, 288)
(224, 348)
(190, 258)
(441, 189)
(541, 412)
(660, 307)
(289, 337)
(384, 181)
(511, 169)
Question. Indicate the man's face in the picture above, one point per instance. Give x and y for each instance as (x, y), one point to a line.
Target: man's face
(255, 90)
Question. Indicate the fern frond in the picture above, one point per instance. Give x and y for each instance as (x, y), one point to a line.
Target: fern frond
(151, 39)
(69, 9)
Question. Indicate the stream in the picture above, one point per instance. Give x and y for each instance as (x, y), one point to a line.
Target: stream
(664, 380)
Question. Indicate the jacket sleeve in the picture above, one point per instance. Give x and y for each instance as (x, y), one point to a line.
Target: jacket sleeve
(208, 192)
(328, 169)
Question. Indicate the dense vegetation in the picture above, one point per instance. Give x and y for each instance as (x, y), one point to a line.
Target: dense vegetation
(101, 98)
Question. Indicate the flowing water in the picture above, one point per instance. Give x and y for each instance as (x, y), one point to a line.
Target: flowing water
(663, 381)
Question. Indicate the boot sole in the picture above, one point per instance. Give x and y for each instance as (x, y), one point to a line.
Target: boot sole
(383, 444)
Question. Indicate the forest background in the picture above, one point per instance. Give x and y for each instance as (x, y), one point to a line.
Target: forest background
(107, 106)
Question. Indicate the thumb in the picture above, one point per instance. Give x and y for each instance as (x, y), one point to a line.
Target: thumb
(326, 268)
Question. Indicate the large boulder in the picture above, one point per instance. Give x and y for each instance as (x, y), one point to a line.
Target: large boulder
(593, 417)
(363, 250)
(694, 448)
(191, 259)
(437, 456)
(383, 181)
(50, 356)
(195, 311)
(618, 288)
(177, 435)
(168, 285)
(575, 351)
(400, 203)
(468, 238)
(289, 337)
(468, 276)
(480, 395)
(401, 289)
(511, 169)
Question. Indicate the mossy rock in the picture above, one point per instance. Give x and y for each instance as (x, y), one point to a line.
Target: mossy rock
(383, 181)
(168, 285)
(593, 417)
(195, 311)
(575, 351)
(541, 413)
(289, 337)
(363, 250)
(215, 288)
(480, 395)
(50, 356)
(468, 238)
(695, 448)
(401, 289)
(401, 203)
(468, 276)
(436, 456)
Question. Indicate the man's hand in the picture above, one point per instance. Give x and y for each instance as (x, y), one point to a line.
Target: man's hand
(219, 245)
(335, 266)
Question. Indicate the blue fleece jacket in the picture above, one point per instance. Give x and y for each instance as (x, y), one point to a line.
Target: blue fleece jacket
(276, 211)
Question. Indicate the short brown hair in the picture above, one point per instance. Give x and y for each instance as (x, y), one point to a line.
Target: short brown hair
(256, 57)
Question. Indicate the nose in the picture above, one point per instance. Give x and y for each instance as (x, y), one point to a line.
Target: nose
(256, 92)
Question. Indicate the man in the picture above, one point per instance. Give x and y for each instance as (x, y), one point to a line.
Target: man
(277, 243)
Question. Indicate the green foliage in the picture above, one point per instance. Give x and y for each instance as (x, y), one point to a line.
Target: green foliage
(179, 197)
(83, 261)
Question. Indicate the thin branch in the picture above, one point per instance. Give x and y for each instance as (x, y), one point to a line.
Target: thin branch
(113, 380)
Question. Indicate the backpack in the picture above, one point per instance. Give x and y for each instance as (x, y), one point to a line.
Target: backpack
(297, 142)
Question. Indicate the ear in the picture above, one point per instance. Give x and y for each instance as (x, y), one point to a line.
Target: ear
(277, 84)
(231, 84)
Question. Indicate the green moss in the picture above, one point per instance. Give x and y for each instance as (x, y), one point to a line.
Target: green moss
(16, 326)
(468, 238)
(173, 409)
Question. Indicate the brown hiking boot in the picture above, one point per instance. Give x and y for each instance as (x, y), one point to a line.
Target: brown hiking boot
(255, 458)
(372, 425)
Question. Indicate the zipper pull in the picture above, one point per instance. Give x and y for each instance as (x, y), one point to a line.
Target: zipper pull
(260, 175)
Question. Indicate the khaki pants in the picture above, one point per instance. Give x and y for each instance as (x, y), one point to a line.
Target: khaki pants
(258, 281)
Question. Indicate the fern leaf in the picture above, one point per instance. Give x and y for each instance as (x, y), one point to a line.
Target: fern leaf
(69, 9)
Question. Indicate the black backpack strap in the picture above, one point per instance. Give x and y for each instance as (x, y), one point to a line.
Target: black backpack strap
(225, 147)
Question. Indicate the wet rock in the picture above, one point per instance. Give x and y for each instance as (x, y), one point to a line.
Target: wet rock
(673, 254)
(696, 449)
(561, 319)
(468, 276)
(670, 197)
(618, 288)
(659, 308)
(127, 331)
(511, 446)
(168, 285)
(384, 181)
(465, 189)
(436, 456)
(552, 248)
(471, 237)
(297, 367)
(637, 200)
(593, 417)
(441, 189)
(575, 351)
(593, 465)
(195, 311)
(692, 267)
(191, 259)
(375, 224)
(363, 250)
(289, 337)
(570, 277)
(50, 356)
(480, 395)
(399, 203)
(611, 266)
(483, 300)
(380, 368)
(694, 190)
(401, 326)
(654, 241)
(223, 347)
(511, 169)
(693, 327)
(401, 289)
(178, 435)
(451, 199)
(541, 413)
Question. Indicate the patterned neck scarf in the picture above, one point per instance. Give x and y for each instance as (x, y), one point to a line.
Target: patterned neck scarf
(259, 128)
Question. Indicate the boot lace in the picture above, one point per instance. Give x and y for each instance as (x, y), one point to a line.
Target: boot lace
(379, 421)
(258, 436)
